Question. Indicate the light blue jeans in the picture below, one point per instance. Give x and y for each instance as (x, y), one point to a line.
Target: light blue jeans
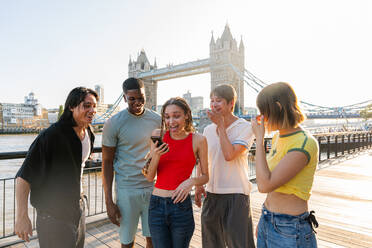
(287, 231)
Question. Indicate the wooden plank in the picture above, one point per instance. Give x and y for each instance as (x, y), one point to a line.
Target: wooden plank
(325, 244)
(109, 239)
(93, 242)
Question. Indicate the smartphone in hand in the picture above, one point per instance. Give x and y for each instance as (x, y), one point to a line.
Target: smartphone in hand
(157, 138)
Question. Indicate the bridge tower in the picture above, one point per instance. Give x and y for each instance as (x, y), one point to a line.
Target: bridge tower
(142, 64)
(223, 52)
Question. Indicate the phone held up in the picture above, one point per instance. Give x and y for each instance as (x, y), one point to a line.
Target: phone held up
(158, 139)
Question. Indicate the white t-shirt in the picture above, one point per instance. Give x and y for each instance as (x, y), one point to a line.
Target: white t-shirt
(229, 177)
(85, 145)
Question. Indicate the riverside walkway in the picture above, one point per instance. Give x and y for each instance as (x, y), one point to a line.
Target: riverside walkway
(341, 198)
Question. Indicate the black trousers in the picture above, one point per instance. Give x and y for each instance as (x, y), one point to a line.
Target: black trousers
(227, 221)
(59, 233)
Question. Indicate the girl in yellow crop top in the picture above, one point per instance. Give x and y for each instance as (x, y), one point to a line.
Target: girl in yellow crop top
(287, 173)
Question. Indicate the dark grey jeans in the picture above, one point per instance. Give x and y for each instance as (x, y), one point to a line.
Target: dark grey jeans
(57, 233)
(227, 221)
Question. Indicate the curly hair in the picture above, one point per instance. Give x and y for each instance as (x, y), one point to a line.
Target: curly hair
(180, 102)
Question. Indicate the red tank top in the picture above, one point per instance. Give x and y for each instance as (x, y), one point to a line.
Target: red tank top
(177, 164)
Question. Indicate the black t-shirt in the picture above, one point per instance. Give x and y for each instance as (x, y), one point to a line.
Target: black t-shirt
(52, 167)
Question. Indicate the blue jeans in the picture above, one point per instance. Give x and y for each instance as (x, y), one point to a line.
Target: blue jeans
(171, 225)
(282, 230)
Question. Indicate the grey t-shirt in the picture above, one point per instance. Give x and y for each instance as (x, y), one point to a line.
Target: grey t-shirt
(130, 135)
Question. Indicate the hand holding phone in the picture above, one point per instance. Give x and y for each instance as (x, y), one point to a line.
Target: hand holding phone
(158, 139)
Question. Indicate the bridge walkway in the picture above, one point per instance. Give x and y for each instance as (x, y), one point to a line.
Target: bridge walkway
(341, 198)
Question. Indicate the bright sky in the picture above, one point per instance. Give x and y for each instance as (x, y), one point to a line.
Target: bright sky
(322, 47)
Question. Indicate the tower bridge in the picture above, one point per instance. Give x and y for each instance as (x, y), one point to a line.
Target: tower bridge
(224, 52)
(226, 66)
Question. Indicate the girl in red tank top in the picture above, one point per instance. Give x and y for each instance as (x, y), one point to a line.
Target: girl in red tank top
(171, 218)
(177, 164)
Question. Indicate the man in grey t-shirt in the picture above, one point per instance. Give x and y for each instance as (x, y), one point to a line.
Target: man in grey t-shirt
(125, 143)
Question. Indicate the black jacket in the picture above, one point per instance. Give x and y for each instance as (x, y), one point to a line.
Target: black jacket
(52, 167)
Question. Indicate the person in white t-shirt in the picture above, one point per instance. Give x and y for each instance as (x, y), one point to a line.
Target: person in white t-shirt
(226, 215)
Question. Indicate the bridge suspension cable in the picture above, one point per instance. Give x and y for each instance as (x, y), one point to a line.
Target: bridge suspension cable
(108, 112)
(257, 84)
(249, 83)
(255, 79)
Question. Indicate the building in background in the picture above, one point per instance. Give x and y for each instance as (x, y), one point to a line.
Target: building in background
(17, 114)
(41, 121)
(195, 103)
(102, 108)
(187, 97)
(30, 99)
(250, 111)
(100, 91)
(53, 115)
(22, 114)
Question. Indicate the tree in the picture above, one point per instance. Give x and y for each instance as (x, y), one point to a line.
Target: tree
(367, 112)
(60, 111)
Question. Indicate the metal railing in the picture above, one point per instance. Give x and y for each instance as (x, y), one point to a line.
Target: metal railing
(331, 146)
(92, 187)
(334, 145)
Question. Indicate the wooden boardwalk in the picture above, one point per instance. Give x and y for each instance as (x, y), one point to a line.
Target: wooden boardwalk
(341, 198)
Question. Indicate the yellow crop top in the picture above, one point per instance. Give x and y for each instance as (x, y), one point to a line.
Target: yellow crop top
(301, 141)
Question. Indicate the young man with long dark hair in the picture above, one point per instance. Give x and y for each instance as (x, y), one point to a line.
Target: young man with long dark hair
(52, 173)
